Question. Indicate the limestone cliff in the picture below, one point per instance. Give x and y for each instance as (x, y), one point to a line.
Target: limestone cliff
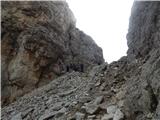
(39, 40)
(127, 89)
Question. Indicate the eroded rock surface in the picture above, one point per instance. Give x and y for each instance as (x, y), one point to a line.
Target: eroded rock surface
(143, 41)
(39, 43)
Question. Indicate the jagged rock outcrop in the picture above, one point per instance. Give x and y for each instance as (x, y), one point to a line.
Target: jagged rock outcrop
(144, 46)
(127, 89)
(39, 40)
(143, 33)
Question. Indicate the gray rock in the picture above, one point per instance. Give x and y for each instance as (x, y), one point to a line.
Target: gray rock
(118, 115)
(47, 115)
(49, 100)
(91, 116)
(75, 102)
(61, 112)
(121, 103)
(17, 117)
(26, 112)
(107, 117)
(67, 104)
(157, 115)
(91, 108)
(102, 87)
(79, 116)
(98, 100)
(98, 83)
(50, 114)
(111, 109)
(101, 75)
(57, 106)
(65, 93)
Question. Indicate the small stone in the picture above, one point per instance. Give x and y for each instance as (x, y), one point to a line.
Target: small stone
(75, 102)
(49, 114)
(107, 117)
(118, 115)
(67, 104)
(73, 117)
(85, 99)
(91, 109)
(101, 75)
(63, 94)
(149, 115)
(57, 106)
(17, 117)
(26, 112)
(113, 89)
(121, 103)
(120, 95)
(91, 116)
(49, 101)
(86, 94)
(102, 87)
(61, 112)
(111, 109)
(98, 83)
(86, 104)
(98, 100)
(83, 107)
(115, 68)
(76, 96)
(79, 116)
(103, 106)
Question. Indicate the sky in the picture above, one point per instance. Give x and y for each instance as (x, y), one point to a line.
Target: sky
(106, 21)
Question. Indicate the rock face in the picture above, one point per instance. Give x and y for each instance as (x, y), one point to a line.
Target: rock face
(143, 33)
(127, 89)
(144, 45)
(39, 43)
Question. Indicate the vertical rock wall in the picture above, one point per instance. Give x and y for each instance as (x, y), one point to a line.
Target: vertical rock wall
(142, 98)
(144, 28)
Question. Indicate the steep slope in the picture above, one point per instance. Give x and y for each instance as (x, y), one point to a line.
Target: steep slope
(39, 43)
(127, 89)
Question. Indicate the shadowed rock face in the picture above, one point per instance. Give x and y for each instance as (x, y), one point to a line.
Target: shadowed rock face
(38, 40)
